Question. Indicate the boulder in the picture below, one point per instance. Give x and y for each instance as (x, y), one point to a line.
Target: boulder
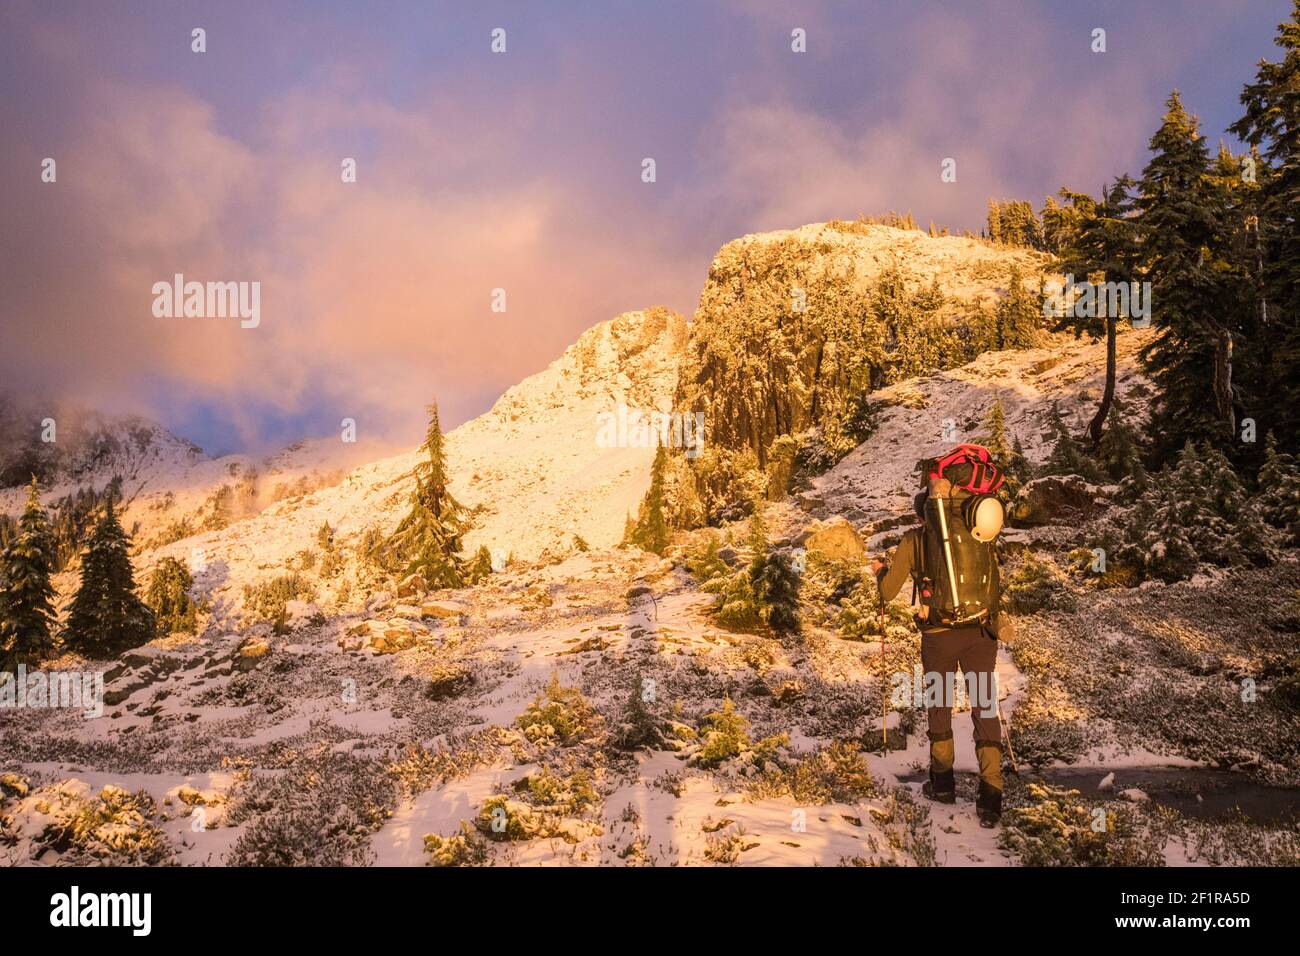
(379, 601)
(729, 556)
(834, 538)
(412, 585)
(1053, 499)
(448, 682)
(250, 653)
(395, 636)
(443, 609)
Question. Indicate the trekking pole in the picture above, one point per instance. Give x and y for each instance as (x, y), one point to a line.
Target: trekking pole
(884, 689)
(1006, 733)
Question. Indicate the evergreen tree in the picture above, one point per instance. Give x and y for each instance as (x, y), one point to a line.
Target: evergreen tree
(1279, 491)
(1194, 510)
(168, 595)
(1102, 246)
(638, 726)
(1013, 223)
(651, 530)
(776, 588)
(1272, 124)
(1016, 316)
(1067, 458)
(1014, 467)
(26, 595)
(1190, 358)
(994, 228)
(1153, 540)
(1118, 452)
(107, 616)
(427, 540)
(481, 567)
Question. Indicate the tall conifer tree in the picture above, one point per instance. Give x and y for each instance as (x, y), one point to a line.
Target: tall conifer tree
(1190, 358)
(107, 616)
(26, 596)
(1272, 124)
(428, 539)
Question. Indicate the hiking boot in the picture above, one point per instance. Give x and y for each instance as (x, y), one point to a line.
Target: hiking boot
(988, 805)
(941, 787)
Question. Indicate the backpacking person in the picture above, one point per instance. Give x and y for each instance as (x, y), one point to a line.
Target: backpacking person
(953, 565)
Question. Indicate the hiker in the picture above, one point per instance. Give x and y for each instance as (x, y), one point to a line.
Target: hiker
(954, 569)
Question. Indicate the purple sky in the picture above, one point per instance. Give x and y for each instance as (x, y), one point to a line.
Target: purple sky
(519, 171)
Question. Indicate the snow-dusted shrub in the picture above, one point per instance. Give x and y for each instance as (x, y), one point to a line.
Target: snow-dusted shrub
(1193, 511)
(1034, 583)
(113, 828)
(558, 715)
(320, 812)
(726, 734)
(1059, 828)
(266, 599)
(169, 596)
(568, 795)
(837, 773)
(466, 848)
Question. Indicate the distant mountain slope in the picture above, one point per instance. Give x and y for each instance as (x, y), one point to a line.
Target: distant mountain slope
(530, 469)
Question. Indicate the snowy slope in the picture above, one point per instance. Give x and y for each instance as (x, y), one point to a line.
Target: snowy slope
(529, 470)
(927, 416)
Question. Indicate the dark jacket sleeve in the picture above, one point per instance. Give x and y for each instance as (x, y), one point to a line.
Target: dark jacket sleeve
(903, 566)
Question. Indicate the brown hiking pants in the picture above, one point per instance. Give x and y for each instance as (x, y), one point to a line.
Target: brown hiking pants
(972, 649)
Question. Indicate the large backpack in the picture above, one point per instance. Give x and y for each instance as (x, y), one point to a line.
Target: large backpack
(969, 468)
(960, 583)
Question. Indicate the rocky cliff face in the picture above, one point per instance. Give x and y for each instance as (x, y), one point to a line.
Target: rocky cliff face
(795, 328)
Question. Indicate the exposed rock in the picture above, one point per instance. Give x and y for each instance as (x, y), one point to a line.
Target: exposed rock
(443, 609)
(729, 555)
(1053, 499)
(251, 652)
(834, 538)
(127, 684)
(412, 585)
(448, 682)
(396, 635)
